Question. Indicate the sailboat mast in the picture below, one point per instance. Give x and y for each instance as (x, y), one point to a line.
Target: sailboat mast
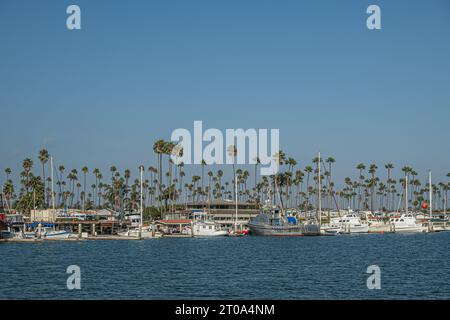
(141, 168)
(236, 197)
(431, 194)
(406, 194)
(320, 193)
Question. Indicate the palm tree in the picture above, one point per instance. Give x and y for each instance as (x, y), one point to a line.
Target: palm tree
(361, 167)
(8, 191)
(232, 152)
(27, 166)
(8, 172)
(158, 148)
(389, 167)
(85, 171)
(210, 175)
(78, 194)
(96, 173)
(203, 164)
(43, 158)
(372, 184)
(330, 161)
(60, 184)
(308, 170)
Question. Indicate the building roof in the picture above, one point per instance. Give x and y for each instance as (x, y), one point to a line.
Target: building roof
(219, 202)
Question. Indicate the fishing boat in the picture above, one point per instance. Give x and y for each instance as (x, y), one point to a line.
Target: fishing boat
(271, 222)
(204, 227)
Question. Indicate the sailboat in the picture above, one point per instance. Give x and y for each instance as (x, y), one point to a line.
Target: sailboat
(235, 232)
(142, 232)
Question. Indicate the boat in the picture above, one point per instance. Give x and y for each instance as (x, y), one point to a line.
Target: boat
(433, 223)
(377, 225)
(203, 227)
(328, 230)
(271, 222)
(51, 233)
(405, 223)
(138, 230)
(146, 232)
(350, 223)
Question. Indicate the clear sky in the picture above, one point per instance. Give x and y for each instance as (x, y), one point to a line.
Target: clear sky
(139, 69)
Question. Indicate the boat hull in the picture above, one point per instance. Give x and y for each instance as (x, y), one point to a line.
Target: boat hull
(310, 230)
(350, 229)
(57, 235)
(281, 231)
(412, 229)
(214, 234)
(144, 234)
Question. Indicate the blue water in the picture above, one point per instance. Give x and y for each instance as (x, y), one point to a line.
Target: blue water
(413, 266)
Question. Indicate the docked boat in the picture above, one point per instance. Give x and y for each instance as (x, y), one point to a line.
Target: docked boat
(51, 233)
(406, 223)
(138, 229)
(272, 222)
(379, 226)
(350, 223)
(204, 227)
(147, 232)
(328, 230)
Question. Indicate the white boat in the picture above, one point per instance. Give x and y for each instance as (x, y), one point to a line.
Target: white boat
(50, 233)
(328, 230)
(406, 223)
(148, 232)
(350, 223)
(207, 229)
(202, 227)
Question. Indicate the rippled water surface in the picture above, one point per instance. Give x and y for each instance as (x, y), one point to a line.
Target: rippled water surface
(413, 266)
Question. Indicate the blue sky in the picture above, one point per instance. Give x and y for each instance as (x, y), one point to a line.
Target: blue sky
(139, 69)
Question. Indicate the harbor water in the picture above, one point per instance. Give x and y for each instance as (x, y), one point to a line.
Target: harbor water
(414, 266)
